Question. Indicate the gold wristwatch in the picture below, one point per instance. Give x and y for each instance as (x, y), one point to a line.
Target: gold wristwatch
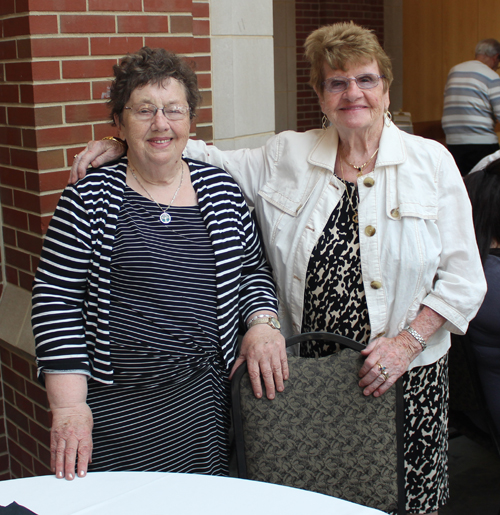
(270, 320)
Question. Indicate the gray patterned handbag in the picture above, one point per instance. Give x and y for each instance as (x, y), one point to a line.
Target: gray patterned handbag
(322, 433)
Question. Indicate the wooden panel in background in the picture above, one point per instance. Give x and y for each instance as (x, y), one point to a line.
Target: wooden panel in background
(422, 49)
(489, 19)
(489, 27)
(437, 34)
(460, 28)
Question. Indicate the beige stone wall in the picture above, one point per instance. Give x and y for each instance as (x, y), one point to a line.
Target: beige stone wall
(243, 72)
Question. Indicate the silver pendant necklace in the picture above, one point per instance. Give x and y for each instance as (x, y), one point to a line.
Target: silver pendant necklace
(165, 217)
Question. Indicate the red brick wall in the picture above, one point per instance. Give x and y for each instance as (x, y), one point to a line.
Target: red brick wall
(55, 68)
(24, 435)
(311, 14)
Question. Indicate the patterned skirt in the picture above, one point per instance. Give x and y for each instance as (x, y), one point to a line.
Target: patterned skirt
(426, 396)
(335, 301)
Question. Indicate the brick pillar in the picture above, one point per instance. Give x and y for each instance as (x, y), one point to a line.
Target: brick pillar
(312, 14)
(307, 19)
(55, 67)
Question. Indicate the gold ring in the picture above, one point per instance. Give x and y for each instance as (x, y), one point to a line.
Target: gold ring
(382, 371)
(75, 156)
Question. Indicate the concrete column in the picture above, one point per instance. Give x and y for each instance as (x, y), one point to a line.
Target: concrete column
(243, 72)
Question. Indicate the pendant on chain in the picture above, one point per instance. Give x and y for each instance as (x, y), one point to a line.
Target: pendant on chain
(165, 218)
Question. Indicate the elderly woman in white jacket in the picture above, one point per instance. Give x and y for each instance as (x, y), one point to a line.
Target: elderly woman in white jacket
(369, 234)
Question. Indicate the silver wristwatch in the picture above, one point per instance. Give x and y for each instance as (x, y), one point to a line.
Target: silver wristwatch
(265, 319)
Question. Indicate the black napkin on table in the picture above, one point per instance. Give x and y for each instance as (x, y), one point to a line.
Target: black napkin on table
(15, 509)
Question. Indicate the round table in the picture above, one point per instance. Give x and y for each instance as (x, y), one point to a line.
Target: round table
(159, 493)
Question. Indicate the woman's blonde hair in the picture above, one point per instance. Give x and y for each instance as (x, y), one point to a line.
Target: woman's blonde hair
(343, 44)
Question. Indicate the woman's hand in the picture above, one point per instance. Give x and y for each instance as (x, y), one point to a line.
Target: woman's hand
(71, 435)
(389, 356)
(263, 348)
(95, 153)
(72, 423)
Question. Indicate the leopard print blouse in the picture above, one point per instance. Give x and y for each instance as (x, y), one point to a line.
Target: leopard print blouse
(334, 298)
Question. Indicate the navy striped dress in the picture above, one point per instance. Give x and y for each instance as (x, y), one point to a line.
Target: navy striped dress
(150, 313)
(167, 409)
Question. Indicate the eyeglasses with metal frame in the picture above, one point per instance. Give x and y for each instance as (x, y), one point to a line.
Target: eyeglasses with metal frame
(146, 112)
(363, 81)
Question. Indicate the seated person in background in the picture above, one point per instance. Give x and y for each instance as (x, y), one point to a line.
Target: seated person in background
(148, 266)
(485, 161)
(484, 330)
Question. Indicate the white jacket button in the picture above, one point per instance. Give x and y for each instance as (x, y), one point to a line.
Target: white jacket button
(370, 230)
(376, 285)
(395, 213)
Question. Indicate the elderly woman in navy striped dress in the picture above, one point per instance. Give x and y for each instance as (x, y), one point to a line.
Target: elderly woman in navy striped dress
(147, 269)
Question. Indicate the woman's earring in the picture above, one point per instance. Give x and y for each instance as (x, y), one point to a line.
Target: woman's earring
(325, 122)
(387, 118)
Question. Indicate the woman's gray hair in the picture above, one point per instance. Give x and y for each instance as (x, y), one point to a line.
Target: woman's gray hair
(489, 47)
(151, 66)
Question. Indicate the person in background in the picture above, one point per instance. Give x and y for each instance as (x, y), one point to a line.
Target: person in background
(483, 187)
(369, 234)
(472, 106)
(486, 161)
(147, 268)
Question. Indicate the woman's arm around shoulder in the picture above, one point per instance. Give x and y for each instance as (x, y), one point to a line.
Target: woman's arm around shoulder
(95, 154)
(250, 168)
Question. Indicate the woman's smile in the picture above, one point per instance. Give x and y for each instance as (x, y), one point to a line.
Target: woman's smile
(156, 142)
(354, 108)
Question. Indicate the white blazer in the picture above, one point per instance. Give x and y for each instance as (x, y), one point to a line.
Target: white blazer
(423, 250)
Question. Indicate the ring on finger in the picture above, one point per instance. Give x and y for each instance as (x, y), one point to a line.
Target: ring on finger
(382, 371)
(75, 156)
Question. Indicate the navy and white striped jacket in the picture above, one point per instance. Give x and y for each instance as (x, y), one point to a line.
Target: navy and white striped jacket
(71, 292)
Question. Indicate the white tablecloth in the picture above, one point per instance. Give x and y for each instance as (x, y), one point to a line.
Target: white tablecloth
(156, 493)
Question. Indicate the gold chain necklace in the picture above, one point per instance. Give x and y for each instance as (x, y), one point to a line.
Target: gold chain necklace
(165, 217)
(363, 166)
(355, 215)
